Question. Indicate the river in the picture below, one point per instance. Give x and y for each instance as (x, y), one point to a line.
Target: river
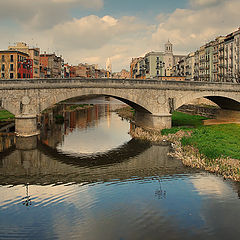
(86, 178)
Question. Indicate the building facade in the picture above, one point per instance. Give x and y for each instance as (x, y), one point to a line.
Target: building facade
(34, 55)
(51, 66)
(15, 65)
(216, 61)
(155, 64)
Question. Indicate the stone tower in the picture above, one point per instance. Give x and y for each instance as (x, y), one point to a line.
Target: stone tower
(168, 48)
(109, 65)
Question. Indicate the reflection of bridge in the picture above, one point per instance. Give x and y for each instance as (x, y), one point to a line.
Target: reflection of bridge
(153, 100)
(43, 165)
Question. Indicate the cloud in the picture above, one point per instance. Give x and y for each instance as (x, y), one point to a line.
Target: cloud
(42, 14)
(188, 29)
(94, 38)
(205, 3)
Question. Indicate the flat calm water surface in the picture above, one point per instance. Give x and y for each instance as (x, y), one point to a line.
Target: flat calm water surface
(86, 178)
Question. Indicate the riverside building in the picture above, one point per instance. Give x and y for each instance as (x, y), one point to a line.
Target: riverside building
(34, 55)
(15, 65)
(216, 61)
(155, 64)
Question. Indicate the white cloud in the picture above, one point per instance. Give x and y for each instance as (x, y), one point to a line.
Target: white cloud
(93, 38)
(41, 14)
(188, 29)
(205, 3)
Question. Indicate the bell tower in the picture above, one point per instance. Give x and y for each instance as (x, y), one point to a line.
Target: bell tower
(168, 48)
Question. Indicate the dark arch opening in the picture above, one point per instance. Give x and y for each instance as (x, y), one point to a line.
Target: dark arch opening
(225, 103)
(135, 106)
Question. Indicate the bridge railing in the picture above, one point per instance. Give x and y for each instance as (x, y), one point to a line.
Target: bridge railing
(109, 81)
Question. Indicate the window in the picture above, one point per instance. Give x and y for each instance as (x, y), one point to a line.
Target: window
(36, 53)
(11, 58)
(35, 62)
(19, 75)
(11, 75)
(11, 67)
(3, 58)
(3, 75)
(24, 75)
(3, 67)
(35, 70)
(157, 72)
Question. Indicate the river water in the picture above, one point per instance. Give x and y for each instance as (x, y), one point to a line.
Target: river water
(86, 178)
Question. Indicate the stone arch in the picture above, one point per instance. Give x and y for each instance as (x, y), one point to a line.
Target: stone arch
(9, 106)
(65, 94)
(223, 100)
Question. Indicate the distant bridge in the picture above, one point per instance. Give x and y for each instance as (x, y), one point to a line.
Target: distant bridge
(153, 100)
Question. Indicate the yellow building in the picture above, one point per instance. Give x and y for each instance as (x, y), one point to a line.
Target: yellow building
(34, 54)
(9, 63)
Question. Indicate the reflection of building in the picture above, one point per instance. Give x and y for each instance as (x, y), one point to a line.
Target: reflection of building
(7, 141)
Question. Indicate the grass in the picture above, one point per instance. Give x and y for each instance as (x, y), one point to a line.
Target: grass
(183, 121)
(5, 115)
(212, 141)
(216, 141)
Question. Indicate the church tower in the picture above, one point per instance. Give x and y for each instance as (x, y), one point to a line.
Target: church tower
(109, 65)
(168, 48)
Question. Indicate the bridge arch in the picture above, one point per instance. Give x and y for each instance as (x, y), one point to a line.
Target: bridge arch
(129, 99)
(223, 100)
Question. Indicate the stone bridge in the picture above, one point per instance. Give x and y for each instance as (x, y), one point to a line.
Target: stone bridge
(154, 101)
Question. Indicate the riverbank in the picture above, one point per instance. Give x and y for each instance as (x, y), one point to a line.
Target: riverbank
(78, 107)
(213, 148)
(5, 115)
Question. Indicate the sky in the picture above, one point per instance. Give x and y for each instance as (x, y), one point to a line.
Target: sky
(90, 31)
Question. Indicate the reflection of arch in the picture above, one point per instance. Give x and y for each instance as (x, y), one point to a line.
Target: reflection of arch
(223, 100)
(130, 149)
(129, 99)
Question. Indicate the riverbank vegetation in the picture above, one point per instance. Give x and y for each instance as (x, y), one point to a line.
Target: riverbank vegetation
(215, 148)
(74, 107)
(5, 115)
(126, 112)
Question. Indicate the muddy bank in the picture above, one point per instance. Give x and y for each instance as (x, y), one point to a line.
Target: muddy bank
(227, 167)
(126, 112)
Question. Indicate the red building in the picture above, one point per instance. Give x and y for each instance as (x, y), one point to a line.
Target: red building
(25, 68)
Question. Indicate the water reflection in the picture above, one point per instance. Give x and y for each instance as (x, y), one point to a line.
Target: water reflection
(91, 130)
(131, 191)
(44, 165)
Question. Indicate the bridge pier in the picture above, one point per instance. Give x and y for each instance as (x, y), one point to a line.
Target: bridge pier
(26, 125)
(154, 122)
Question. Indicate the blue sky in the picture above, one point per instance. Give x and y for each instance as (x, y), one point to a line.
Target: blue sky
(146, 9)
(93, 30)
